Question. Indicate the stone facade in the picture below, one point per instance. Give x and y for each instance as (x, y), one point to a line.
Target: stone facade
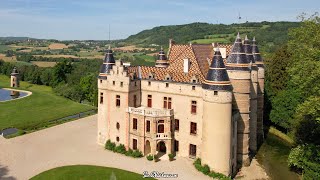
(184, 106)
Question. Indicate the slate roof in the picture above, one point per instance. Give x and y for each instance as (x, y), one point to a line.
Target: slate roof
(256, 53)
(108, 62)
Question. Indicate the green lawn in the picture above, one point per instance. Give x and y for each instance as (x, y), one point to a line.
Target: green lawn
(35, 110)
(83, 172)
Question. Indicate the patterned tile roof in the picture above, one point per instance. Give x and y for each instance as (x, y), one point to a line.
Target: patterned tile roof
(199, 56)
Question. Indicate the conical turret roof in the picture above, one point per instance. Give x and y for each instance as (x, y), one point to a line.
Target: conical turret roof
(217, 77)
(248, 50)
(256, 53)
(237, 59)
(162, 59)
(108, 62)
(14, 71)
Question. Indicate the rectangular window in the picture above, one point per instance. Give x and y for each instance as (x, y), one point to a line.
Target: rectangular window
(134, 144)
(194, 107)
(135, 124)
(149, 83)
(150, 101)
(134, 100)
(193, 128)
(176, 124)
(113, 83)
(176, 145)
(215, 93)
(101, 98)
(193, 87)
(100, 81)
(121, 84)
(118, 100)
(167, 84)
(169, 103)
(165, 101)
(192, 150)
(135, 83)
(148, 126)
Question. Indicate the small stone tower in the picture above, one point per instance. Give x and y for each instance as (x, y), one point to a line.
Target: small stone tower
(238, 69)
(108, 62)
(260, 91)
(253, 99)
(162, 59)
(15, 78)
(217, 118)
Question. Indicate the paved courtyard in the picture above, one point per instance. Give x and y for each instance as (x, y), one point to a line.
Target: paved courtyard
(75, 143)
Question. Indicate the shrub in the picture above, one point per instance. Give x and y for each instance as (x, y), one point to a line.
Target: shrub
(120, 149)
(205, 169)
(171, 156)
(197, 161)
(110, 145)
(150, 157)
(129, 152)
(137, 154)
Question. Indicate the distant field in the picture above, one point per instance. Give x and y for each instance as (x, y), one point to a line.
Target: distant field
(132, 48)
(57, 56)
(8, 59)
(39, 108)
(44, 63)
(58, 46)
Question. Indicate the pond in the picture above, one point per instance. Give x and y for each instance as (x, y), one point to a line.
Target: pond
(7, 94)
(273, 155)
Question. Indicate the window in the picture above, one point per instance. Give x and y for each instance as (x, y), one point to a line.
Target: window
(118, 139)
(194, 81)
(135, 83)
(193, 87)
(118, 125)
(192, 150)
(176, 124)
(149, 83)
(134, 144)
(160, 128)
(135, 124)
(100, 81)
(148, 126)
(167, 102)
(113, 83)
(121, 84)
(101, 98)
(150, 101)
(176, 145)
(193, 107)
(134, 100)
(215, 93)
(193, 128)
(167, 84)
(118, 100)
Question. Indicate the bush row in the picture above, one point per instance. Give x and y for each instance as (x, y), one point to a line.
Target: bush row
(122, 150)
(205, 169)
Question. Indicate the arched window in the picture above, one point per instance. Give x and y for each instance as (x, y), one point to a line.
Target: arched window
(118, 125)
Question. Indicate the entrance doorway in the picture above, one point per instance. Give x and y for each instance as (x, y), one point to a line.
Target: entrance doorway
(161, 147)
(147, 148)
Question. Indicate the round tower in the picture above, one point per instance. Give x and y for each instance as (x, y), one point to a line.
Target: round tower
(253, 94)
(108, 63)
(238, 68)
(162, 59)
(15, 78)
(260, 90)
(217, 118)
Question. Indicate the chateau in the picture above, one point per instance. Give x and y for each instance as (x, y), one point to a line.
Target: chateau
(198, 100)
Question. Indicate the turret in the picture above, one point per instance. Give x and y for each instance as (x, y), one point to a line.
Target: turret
(162, 59)
(216, 147)
(260, 91)
(238, 68)
(108, 62)
(15, 78)
(253, 93)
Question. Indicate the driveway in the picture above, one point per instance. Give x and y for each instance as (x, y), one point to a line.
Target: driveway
(75, 143)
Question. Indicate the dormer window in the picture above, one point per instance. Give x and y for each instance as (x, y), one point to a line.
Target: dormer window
(194, 79)
(151, 75)
(168, 77)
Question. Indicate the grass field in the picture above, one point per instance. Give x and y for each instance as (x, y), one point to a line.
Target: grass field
(44, 63)
(8, 59)
(35, 110)
(85, 172)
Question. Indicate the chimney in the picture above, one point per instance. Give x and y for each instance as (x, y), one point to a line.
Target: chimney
(186, 65)
(171, 42)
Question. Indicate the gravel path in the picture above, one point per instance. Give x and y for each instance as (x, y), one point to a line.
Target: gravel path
(75, 143)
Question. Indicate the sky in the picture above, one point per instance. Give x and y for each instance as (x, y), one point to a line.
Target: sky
(90, 19)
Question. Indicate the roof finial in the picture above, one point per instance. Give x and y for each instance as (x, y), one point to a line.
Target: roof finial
(238, 36)
(161, 48)
(254, 38)
(109, 46)
(246, 38)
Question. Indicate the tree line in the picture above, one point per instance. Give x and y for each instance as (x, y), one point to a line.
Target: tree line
(292, 95)
(73, 80)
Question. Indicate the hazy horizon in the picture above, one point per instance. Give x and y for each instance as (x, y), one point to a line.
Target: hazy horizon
(83, 20)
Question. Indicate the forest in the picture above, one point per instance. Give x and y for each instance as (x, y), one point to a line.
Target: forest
(292, 95)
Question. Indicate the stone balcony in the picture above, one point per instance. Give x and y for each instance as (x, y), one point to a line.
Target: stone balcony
(160, 136)
(152, 112)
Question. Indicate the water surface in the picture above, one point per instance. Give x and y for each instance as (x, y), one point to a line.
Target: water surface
(5, 94)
